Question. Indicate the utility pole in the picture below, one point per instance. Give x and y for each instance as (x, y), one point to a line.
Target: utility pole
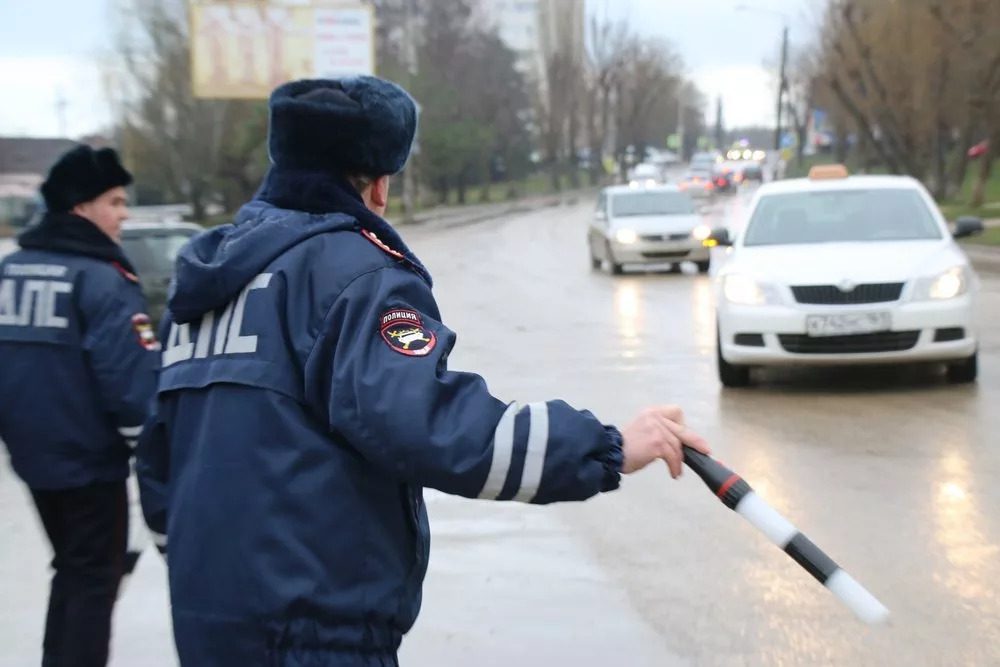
(61, 105)
(781, 88)
(680, 118)
(718, 124)
(410, 54)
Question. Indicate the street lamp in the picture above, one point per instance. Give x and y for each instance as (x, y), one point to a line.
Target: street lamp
(782, 84)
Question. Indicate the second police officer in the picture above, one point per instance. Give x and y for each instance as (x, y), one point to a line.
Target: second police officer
(78, 359)
(305, 401)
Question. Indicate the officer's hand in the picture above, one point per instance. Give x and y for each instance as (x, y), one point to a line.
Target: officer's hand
(658, 433)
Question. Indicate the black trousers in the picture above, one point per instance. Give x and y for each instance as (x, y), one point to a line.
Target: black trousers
(88, 529)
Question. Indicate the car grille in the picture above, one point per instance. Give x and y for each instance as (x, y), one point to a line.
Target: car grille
(671, 254)
(832, 295)
(665, 237)
(885, 341)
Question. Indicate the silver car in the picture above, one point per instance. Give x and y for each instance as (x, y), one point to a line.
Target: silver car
(647, 225)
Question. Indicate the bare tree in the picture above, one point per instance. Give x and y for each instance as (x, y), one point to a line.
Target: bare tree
(920, 80)
(799, 78)
(651, 75)
(972, 31)
(608, 49)
(201, 151)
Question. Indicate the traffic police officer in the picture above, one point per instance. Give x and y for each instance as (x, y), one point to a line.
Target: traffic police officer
(305, 400)
(79, 360)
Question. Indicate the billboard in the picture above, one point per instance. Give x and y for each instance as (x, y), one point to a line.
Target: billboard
(244, 48)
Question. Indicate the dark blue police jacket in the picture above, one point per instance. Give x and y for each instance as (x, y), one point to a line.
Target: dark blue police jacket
(304, 402)
(78, 356)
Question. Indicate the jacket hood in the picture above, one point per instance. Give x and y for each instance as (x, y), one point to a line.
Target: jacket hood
(289, 208)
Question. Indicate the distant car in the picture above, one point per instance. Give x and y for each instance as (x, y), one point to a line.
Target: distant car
(751, 171)
(152, 248)
(838, 269)
(697, 183)
(725, 176)
(704, 161)
(649, 225)
(646, 173)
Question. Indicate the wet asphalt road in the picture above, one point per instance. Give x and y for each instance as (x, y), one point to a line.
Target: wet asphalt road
(890, 470)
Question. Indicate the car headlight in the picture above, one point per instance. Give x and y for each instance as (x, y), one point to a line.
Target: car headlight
(626, 236)
(949, 284)
(744, 290)
(701, 232)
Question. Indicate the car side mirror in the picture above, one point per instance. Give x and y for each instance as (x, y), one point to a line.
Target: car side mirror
(599, 214)
(967, 225)
(720, 236)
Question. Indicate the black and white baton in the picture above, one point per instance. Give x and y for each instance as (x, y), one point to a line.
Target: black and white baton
(737, 495)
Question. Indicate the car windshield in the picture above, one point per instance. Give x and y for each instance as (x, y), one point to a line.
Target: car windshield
(834, 216)
(154, 253)
(651, 203)
(645, 170)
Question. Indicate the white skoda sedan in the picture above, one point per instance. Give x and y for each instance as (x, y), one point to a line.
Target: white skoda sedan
(838, 269)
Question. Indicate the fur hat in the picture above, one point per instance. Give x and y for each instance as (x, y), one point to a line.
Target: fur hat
(352, 126)
(82, 174)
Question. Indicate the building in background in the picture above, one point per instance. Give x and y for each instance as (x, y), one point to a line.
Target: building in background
(536, 30)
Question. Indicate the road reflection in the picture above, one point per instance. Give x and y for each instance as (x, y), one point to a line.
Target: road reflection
(703, 316)
(630, 316)
(959, 531)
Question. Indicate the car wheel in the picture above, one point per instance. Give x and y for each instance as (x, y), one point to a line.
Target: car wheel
(616, 268)
(964, 371)
(703, 266)
(595, 263)
(731, 375)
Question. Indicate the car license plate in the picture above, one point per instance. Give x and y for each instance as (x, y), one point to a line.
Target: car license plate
(845, 324)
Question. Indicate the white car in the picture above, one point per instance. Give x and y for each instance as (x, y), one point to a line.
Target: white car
(646, 225)
(646, 173)
(839, 269)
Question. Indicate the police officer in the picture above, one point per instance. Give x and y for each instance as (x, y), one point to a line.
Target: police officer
(79, 362)
(305, 400)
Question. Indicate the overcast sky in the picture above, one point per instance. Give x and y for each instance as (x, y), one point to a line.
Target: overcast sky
(50, 50)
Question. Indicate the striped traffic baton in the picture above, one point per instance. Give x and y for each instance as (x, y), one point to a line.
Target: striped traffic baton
(737, 495)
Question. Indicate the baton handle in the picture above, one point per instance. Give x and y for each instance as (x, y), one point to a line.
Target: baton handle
(729, 487)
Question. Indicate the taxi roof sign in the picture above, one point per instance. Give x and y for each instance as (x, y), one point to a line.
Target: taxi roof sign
(827, 172)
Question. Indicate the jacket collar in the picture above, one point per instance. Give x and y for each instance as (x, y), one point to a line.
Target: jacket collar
(322, 192)
(75, 235)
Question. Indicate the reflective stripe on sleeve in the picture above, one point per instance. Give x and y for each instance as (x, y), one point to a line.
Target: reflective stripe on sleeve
(130, 432)
(503, 449)
(534, 458)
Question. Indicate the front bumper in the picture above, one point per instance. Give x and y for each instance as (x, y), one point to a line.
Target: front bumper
(659, 252)
(781, 329)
